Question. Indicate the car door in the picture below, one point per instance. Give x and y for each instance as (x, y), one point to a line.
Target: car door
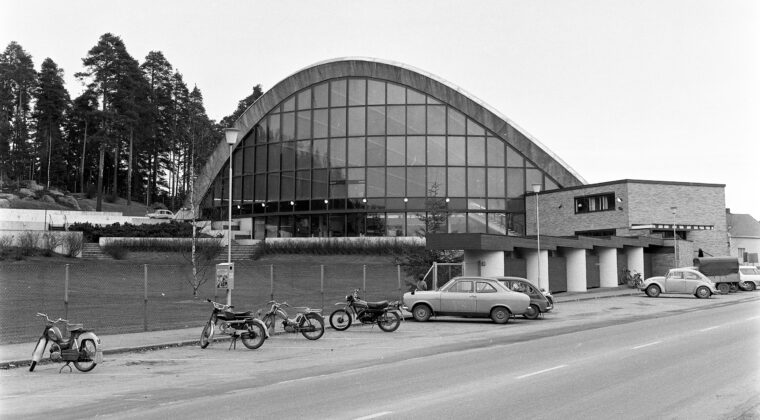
(485, 296)
(459, 298)
(691, 281)
(674, 282)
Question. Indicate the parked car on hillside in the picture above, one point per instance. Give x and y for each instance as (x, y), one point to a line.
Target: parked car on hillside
(540, 300)
(749, 278)
(467, 296)
(161, 214)
(682, 281)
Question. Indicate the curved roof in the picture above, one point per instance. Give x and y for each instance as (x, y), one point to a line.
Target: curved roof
(403, 74)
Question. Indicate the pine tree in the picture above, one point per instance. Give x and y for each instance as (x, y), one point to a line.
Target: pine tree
(52, 101)
(17, 82)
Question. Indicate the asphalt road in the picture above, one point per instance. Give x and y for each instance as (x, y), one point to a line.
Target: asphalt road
(628, 357)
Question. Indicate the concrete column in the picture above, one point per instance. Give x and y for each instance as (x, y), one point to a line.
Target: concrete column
(532, 273)
(635, 257)
(576, 269)
(608, 275)
(483, 263)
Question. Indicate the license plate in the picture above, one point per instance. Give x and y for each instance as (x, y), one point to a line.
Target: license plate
(99, 357)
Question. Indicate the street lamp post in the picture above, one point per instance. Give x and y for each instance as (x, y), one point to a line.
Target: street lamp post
(231, 137)
(675, 238)
(536, 190)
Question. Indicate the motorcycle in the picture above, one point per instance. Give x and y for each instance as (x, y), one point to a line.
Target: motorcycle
(308, 322)
(386, 314)
(82, 347)
(633, 279)
(251, 331)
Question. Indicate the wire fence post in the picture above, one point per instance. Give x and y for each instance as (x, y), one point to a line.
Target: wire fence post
(322, 284)
(145, 297)
(66, 293)
(271, 281)
(364, 280)
(398, 276)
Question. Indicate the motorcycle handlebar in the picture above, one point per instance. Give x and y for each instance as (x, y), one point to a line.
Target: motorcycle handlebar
(50, 320)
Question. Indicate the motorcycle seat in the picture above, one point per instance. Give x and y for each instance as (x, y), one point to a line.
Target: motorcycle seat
(237, 315)
(377, 305)
(75, 327)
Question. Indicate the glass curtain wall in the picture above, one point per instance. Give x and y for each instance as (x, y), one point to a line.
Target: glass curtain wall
(359, 156)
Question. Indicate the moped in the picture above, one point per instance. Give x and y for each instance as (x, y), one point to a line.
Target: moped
(385, 314)
(307, 321)
(82, 347)
(251, 331)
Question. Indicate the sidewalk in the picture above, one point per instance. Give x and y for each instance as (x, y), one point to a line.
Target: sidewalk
(14, 355)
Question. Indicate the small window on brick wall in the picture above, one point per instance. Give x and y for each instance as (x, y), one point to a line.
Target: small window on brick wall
(594, 203)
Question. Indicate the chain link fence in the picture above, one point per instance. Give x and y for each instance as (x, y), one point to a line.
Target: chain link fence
(122, 297)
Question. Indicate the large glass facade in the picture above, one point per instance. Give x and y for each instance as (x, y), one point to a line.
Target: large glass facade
(359, 156)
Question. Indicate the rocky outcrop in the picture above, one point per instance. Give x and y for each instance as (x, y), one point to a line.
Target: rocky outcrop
(47, 199)
(25, 192)
(68, 201)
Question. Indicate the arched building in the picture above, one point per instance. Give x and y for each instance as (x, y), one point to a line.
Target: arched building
(361, 147)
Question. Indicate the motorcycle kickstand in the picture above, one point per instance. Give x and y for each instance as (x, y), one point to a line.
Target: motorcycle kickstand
(233, 342)
(67, 365)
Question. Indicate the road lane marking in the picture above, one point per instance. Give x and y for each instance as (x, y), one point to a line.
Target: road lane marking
(541, 371)
(646, 345)
(374, 416)
(709, 328)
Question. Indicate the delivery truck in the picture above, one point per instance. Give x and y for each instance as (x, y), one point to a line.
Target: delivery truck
(723, 271)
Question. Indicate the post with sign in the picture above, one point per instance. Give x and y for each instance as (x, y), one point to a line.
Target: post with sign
(225, 278)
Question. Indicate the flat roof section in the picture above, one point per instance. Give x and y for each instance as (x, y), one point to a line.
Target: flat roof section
(487, 242)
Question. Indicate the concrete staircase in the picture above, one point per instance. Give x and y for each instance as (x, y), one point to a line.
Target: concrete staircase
(93, 252)
(239, 252)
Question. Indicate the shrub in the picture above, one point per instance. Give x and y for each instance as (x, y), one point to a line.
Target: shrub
(73, 245)
(27, 243)
(6, 246)
(116, 251)
(207, 251)
(338, 246)
(50, 242)
(111, 198)
(173, 229)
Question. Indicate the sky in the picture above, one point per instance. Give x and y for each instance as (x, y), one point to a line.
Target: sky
(646, 89)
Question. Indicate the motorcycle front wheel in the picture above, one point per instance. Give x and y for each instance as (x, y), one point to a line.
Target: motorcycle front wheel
(254, 337)
(389, 321)
(340, 319)
(312, 326)
(206, 334)
(86, 360)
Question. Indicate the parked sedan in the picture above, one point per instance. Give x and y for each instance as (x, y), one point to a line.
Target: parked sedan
(680, 280)
(540, 300)
(467, 296)
(161, 214)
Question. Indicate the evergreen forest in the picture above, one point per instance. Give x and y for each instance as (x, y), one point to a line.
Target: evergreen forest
(137, 131)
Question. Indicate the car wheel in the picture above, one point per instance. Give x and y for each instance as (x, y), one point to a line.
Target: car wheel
(723, 287)
(653, 290)
(703, 292)
(751, 285)
(500, 315)
(421, 313)
(532, 312)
